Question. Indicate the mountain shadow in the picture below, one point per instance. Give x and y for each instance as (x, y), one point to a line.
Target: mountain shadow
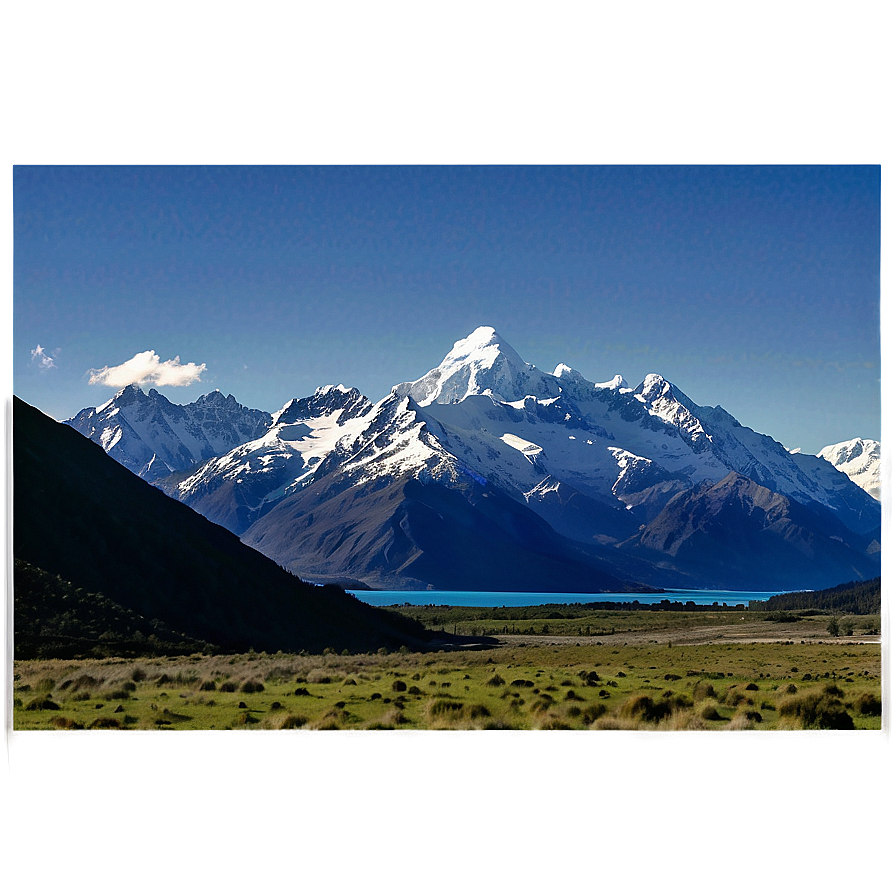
(81, 516)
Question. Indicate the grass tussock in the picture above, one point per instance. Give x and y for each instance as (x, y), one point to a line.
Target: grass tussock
(643, 708)
(821, 708)
(709, 711)
(867, 705)
(65, 723)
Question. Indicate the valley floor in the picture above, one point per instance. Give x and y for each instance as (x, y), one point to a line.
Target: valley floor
(656, 671)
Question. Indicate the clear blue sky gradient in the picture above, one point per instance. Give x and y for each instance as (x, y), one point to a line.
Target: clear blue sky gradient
(759, 287)
(756, 288)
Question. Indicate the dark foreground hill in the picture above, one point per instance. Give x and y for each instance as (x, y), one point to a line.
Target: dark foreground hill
(54, 619)
(861, 598)
(80, 516)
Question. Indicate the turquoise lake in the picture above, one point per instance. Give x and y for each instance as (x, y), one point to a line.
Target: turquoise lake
(530, 598)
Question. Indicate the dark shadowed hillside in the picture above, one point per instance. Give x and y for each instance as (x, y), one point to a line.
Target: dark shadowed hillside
(83, 517)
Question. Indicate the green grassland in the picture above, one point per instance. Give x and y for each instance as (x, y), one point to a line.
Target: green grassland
(654, 670)
(582, 620)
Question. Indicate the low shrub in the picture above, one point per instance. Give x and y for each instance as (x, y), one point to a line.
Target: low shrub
(251, 687)
(120, 694)
(867, 705)
(642, 707)
(42, 703)
(228, 687)
(495, 681)
(818, 709)
(105, 723)
(244, 718)
(445, 711)
(65, 723)
(290, 721)
(555, 724)
(593, 712)
(478, 711)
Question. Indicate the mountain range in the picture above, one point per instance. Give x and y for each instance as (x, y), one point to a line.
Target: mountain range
(487, 473)
(105, 560)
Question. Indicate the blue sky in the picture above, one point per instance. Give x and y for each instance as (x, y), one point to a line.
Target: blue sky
(756, 288)
(757, 284)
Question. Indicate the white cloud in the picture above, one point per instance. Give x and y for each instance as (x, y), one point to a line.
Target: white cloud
(41, 358)
(146, 367)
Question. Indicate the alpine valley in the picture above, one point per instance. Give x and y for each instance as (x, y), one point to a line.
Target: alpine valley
(488, 474)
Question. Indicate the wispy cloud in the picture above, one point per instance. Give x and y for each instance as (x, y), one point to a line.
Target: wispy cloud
(147, 367)
(40, 357)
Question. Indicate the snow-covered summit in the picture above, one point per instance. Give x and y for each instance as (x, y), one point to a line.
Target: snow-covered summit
(859, 459)
(325, 400)
(618, 382)
(481, 364)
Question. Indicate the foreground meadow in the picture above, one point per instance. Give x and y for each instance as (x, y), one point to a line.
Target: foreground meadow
(657, 674)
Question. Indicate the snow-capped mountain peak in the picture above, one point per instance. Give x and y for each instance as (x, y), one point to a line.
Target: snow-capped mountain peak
(618, 382)
(326, 400)
(569, 377)
(859, 459)
(150, 436)
(653, 387)
(480, 364)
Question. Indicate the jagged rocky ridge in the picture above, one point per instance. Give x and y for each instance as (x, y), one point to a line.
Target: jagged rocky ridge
(153, 437)
(581, 482)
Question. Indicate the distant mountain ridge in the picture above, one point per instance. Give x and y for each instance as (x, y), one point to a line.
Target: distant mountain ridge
(153, 437)
(335, 482)
(860, 460)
